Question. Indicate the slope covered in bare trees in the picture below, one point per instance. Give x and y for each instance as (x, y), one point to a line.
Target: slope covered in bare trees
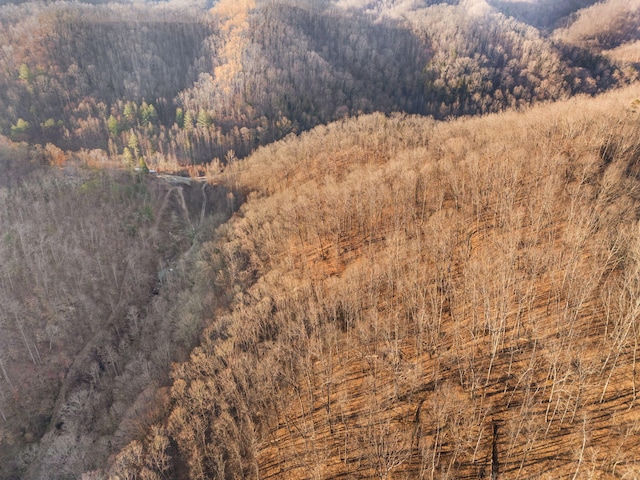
(95, 303)
(544, 14)
(604, 25)
(414, 299)
(400, 293)
(168, 84)
(611, 27)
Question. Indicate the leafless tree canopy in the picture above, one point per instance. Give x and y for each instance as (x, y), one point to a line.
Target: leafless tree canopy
(319, 239)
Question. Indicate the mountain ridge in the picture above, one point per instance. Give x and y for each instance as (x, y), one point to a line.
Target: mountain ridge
(331, 239)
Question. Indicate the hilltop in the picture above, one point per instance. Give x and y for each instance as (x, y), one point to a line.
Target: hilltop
(172, 85)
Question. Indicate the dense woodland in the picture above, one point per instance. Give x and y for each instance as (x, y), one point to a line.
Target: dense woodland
(162, 83)
(409, 297)
(95, 305)
(411, 249)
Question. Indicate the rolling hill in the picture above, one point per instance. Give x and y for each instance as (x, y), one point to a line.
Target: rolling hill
(415, 299)
(407, 249)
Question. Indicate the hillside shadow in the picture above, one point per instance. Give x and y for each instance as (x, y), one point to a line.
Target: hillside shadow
(544, 15)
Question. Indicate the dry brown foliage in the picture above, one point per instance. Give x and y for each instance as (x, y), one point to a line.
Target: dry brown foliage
(412, 299)
(95, 304)
(629, 53)
(605, 25)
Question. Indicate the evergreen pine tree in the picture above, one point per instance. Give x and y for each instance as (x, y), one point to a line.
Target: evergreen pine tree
(113, 126)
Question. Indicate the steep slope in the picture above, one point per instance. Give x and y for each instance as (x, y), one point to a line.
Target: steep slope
(95, 304)
(605, 25)
(304, 66)
(611, 27)
(398, 298)
(67, 64)
(413, 299)
(543, 14)
(161, 84)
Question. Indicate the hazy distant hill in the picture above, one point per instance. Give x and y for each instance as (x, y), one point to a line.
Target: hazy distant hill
(612, 27)
(191, 84)
(605, 25)
(545, 14)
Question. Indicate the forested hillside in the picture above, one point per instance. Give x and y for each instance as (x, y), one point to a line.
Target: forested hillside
(408, 248)
(169, 84)
(605, 25)
(95, 304)
(543, 14)
(611, 27)
(415, 299)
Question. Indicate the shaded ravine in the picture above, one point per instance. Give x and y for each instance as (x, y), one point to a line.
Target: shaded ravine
(74, 373)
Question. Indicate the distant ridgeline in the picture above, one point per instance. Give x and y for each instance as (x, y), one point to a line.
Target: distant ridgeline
(175, 83)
